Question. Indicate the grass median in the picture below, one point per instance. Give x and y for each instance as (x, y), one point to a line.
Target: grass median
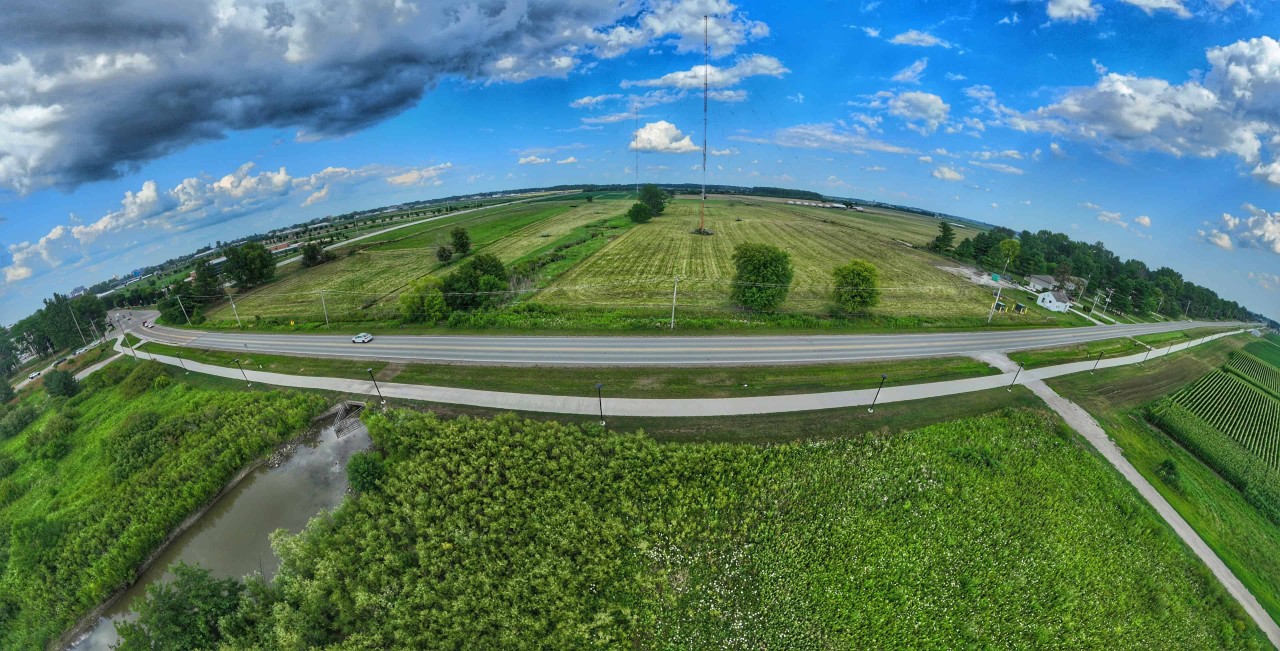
(1107, 348)
(628, 382)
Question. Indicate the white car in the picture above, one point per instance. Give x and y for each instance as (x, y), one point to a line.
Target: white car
(362, 338)
(80, 351)
(33, 375)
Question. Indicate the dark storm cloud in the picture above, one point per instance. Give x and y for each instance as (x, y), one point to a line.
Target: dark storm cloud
(91, 89)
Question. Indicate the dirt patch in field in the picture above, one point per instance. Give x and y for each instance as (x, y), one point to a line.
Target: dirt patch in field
(390, 371)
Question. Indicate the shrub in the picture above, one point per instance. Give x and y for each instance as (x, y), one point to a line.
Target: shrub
(135, 444)
(6, 392)
(1167, 471)
(17, 420)
(61, 384)
(461, 240)
(141, 379)
(480, 282)
(53, 441)
(856, 286)
(763, 276)
(364, 471)
(444, 254)
(639, 213)
(313, 254)
(423, 302)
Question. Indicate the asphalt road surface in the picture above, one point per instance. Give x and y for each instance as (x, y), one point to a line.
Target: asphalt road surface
(648, 351)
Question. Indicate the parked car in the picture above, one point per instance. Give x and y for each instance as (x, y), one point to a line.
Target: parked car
(362, 338)
(33, 375)
(80, 351)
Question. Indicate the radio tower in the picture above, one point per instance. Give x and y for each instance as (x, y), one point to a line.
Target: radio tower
(706, 66)
(636, 108)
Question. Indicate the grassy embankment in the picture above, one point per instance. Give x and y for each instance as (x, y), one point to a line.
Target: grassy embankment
(625, 382)
(90, 485)
(1237, 531)
(1108, 348)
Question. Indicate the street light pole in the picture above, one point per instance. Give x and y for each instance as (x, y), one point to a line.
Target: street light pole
(233, 307)
(1096, 363)
(1144, 357)
(381, 400)
(246, 375)
(1015, 377)
(184, 309)
(872, 408)
(600, 400)
(674, 290)
(999, 289)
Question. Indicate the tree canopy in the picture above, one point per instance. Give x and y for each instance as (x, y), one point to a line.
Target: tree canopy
(763, 276)
(653, 197)
(249, 264)
(461, 240)
(640, 213)
(857, 285)
(945, 240)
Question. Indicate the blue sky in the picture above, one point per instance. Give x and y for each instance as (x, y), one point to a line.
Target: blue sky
(1150, 125)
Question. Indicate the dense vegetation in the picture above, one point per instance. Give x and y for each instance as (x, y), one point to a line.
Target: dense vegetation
(999, 531)
(1238, 409)
(92, 484)
(856, 286)
(762, 276)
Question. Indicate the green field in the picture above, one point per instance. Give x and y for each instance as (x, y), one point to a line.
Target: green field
(637, 269)
(1257, 371)
(1265, 351)
(97, 481)
(624, 279)
(519, 534)
(364, 286)
(1237, 408)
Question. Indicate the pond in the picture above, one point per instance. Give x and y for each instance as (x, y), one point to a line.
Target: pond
(231, 539)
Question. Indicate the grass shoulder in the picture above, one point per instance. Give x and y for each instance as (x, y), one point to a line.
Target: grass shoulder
(624, 382)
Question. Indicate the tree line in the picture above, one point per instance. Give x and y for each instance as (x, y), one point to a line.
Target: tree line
(1094, 270)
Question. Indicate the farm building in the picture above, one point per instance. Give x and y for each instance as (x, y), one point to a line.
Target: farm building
(1041, 283)
(1055, 301)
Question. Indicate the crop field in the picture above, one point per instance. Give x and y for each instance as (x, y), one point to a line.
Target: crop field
(1265, 351)
(1257, 371)
(637, 269)
(1238, 409)
(510, 533)
(364, 286)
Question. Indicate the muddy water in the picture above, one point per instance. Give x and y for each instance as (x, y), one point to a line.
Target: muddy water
(231, 539)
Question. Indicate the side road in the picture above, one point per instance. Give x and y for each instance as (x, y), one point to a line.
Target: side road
(675, 407)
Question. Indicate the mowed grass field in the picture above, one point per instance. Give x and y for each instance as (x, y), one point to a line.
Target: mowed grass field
(365, 286)
(638, 268)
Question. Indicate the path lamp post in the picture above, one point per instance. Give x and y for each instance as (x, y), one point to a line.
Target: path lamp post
(246, 375)
(1015, 378)
(1096, 363)
(180, 363)
(1144, 357)
(872, 408)
(381, 400)
(600, 400)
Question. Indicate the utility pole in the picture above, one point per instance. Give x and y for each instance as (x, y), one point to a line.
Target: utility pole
(999, 290)
(233, 306)
(184, 309)
(674, 290)
(326, 309)
(77, 322)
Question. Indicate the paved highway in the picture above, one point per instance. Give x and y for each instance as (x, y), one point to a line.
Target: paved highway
(648, 351)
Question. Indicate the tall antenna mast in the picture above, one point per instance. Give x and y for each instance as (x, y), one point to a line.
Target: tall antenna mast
(706, 65)
(636, 108)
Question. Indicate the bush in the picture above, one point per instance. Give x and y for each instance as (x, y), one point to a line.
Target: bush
(856, 286)
(313, 254)
(763, 276)
(6, 392)
(141, 379)
(480, 282)
(461, 240)
(53, 441)
(444, 254)
(61, 384)
(639, 213)
(423, 302)
(1168, 473)
(364, 471)
(17, 420)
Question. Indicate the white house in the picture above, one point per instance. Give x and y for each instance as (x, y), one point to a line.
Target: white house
(1041, 283)
(1055, 301)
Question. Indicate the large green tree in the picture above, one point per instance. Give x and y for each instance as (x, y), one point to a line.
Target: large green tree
(945, 240)
(461, 240)
(653, 197)
(640, 213)
(249, 264)
(183, 614)
(424, 301)
(763, 276)
(857, 285)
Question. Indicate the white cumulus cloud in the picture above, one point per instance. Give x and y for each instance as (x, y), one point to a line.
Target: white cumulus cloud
(947, 174)
(662, 137)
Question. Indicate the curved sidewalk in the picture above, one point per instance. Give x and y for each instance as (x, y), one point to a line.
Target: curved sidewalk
(665, 407)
